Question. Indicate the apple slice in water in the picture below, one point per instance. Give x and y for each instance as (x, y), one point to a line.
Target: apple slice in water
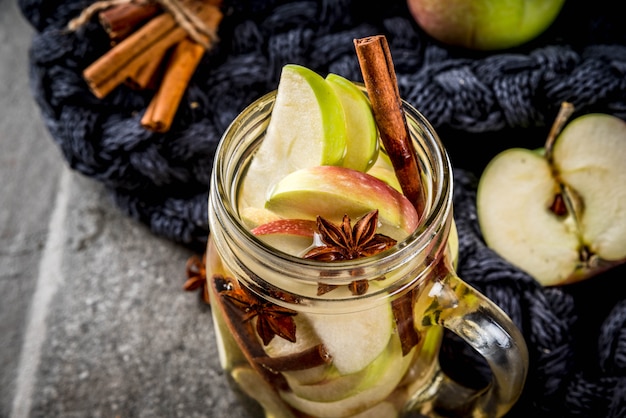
(254, 216)
(331, 192)
(383, 170)
(362, 133)
(356, 339)
(306, 129)
(253, 385)
(359, 402)
(335, 388)
(292, 236)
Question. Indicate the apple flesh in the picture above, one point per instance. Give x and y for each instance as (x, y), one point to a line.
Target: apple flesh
(340, 387)
(356, 339)
(516, 203)
(383, 170)
(485, 24)
(331, 192)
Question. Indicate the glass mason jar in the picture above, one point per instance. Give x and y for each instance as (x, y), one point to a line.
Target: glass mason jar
(354, 355)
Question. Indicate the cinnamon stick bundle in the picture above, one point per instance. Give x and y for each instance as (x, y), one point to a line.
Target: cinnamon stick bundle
(151, 40)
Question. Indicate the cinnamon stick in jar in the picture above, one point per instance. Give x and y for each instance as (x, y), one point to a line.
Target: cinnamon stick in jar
(380, 81)
(382, 87)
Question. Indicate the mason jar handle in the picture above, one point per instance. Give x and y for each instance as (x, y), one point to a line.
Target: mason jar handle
(485, 327)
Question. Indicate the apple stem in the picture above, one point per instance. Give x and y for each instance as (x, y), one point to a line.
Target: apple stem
(561, 119)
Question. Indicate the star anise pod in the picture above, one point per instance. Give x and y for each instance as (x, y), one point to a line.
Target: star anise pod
(196, 276)
(272, 319)
(344, 242)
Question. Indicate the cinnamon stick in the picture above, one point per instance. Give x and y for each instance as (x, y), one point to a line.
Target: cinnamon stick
(243, 331)
(112, 68)
(382, 87)
(402, 309)
(314, 356)
(380, 81)
(121, 20)
(148, 74)
(164, 105)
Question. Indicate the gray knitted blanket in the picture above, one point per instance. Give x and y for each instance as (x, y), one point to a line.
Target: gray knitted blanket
(479, 102)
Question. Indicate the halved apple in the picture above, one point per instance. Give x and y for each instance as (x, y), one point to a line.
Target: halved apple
(331, 192)
(306, 128)
(362, 133)
(560, 215)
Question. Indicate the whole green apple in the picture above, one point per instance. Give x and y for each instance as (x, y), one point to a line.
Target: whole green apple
(485, 24)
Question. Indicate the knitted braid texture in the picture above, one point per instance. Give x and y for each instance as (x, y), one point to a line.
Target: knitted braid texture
(477, 101)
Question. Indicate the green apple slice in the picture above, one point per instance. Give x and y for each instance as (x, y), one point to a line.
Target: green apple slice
(331, 192)
(362, 133)
(355, 339)
(383, 170)
(339, 387)
(306, 129)
(359, 402)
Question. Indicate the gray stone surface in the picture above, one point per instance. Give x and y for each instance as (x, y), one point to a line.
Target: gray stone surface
(93, 318)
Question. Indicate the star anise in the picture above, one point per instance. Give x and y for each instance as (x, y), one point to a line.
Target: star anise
(272, 319)
(196, 276)
(345, 242)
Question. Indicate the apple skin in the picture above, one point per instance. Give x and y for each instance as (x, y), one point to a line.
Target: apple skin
(362, 132)
(300, 227)
(485, 24)
(332, 191)
(291, 236)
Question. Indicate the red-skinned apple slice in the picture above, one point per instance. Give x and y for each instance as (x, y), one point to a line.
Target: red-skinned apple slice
(331, 192)
(292, 236)
(300, 227)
